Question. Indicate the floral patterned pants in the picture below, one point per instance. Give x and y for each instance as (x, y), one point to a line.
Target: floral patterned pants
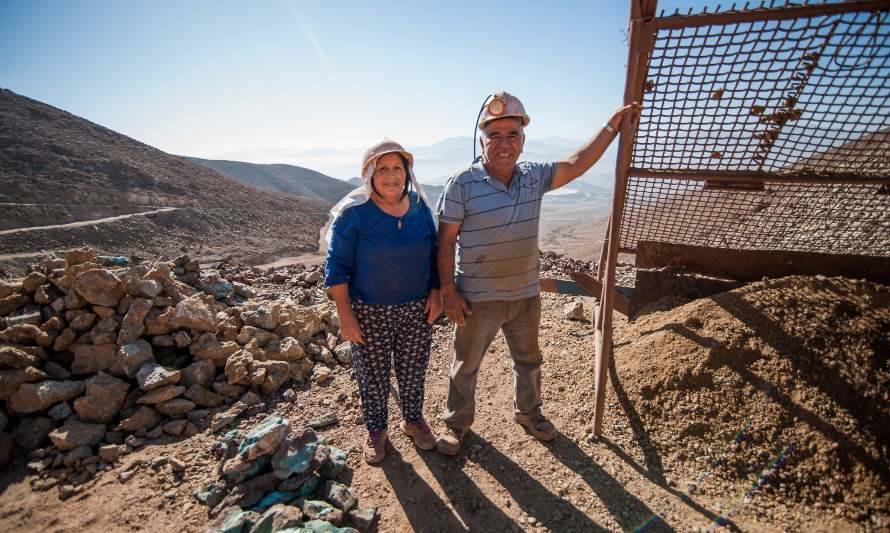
(396, 333)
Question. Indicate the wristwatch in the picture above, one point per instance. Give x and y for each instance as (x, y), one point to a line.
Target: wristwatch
(611, 129)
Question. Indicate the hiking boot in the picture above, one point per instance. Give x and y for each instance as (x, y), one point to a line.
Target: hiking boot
(449, 443)
(420, 433)
(374, 447)
(538, 426)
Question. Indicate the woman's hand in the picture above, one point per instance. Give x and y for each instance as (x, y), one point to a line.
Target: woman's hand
(633, 108)
(349, 329)
(433, 307)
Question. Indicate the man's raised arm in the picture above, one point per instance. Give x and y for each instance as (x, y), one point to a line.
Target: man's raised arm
(581, 161)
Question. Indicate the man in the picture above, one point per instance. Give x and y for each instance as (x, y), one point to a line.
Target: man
(489, 215)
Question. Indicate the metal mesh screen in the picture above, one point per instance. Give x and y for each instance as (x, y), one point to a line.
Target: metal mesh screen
(803, 217)
(806, 98)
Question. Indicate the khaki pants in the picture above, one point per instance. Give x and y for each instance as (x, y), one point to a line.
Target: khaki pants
(519, 321)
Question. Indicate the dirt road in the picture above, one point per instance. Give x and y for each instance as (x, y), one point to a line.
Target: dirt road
(88, 222)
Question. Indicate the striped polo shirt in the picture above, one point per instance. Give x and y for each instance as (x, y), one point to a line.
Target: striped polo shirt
(497, 247)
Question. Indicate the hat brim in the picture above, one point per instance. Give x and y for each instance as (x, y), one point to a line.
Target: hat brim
(407, 155)
(523, 119)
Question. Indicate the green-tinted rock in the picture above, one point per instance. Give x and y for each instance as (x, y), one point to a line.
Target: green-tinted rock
(299, 453)
(233, 520)
(322, 510)
(279, 517)
(273, 498)
(335, 463)
(210, 496)
(265, 438)
(363, 519)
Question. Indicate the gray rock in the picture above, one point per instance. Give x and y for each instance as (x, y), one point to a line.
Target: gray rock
(277, 374)
(343, 353)
(335, 463)
(80, 320)
(155, 432)
(74, 433)
(203, 397)
(56, 371)
(223, 419)
(32, 432)
(133, 325)
(142, 418)
(20, 333)
(265, 317)
(77, 454)
(322, 510)
(194, 313)
(226, 389)
(364, 518)
(175, 427)
(207, 346)
(131, 357)
(111, 452)
(161, 394)
(89, 358)
(163, 340)
(340, 495)
(573, 310)
(233, 520)
(148, 288)
(153, 376)
(11, 380)
(32, 397)
(64, 340)
(182, 339)
(175, 407)
(201, 372)
(16, 357)
(103, 399)
(60, 411)
(105, 331)
(278, 517)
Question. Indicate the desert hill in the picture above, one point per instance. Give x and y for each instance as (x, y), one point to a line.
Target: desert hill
(289, 179)
(57, 169)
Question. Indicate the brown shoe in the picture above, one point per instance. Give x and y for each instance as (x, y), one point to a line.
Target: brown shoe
(420, 433)
(538, 426)
(374, 447)
(449, 443)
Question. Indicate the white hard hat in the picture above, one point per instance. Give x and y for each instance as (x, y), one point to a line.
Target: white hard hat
(381, 148)
(502, 105)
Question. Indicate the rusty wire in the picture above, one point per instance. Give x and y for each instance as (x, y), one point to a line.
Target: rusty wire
(807, 96)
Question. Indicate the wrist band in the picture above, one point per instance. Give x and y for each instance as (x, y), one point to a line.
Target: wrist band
(611, 129)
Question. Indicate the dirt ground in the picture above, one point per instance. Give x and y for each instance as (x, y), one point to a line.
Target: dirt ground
(503, 480)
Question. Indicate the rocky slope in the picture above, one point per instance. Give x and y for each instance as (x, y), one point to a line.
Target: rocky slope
(78, 171)
(289, 179)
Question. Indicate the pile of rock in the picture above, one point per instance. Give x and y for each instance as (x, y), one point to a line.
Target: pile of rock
(96, 359)
(277, 477)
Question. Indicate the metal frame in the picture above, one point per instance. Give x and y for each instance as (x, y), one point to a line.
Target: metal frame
(641, 40)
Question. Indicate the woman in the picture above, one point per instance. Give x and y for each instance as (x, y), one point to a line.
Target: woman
(382, 273)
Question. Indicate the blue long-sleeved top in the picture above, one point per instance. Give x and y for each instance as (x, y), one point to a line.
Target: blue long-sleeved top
(381, 262)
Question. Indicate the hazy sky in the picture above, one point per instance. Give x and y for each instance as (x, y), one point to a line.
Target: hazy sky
(206, 78)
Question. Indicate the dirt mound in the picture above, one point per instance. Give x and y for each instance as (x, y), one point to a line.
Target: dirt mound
(783, 383)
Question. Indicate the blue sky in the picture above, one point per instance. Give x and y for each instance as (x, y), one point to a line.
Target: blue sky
(206, 78)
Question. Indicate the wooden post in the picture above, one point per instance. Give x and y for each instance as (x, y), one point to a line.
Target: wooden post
(640, 41)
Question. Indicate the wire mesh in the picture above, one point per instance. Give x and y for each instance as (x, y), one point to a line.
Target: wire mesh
(804, 217)
(806, 96)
